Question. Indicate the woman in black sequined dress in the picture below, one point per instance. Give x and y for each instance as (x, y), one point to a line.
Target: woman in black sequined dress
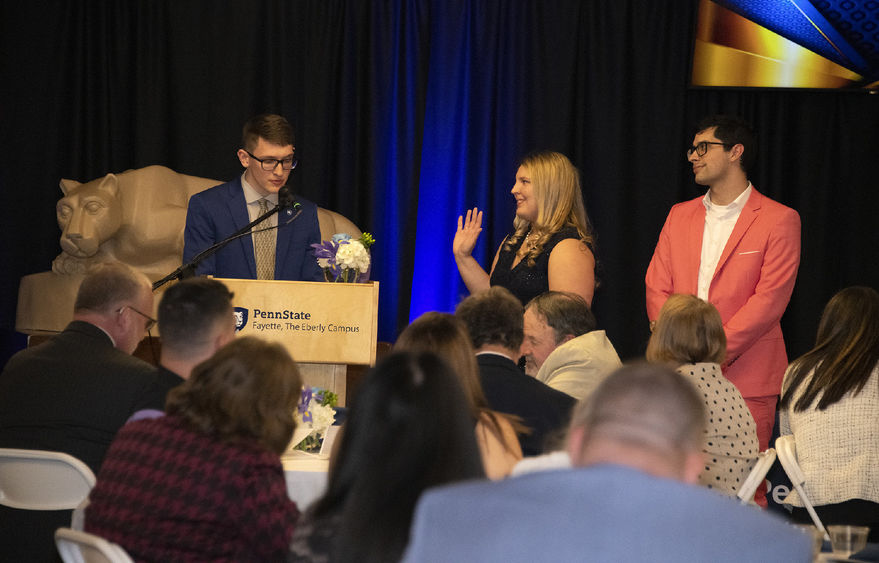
(550, 247)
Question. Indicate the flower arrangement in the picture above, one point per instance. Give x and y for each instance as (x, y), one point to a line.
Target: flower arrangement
(313, 416)
(345, 259)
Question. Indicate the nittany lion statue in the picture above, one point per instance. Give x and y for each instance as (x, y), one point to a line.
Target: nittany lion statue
(136, 217)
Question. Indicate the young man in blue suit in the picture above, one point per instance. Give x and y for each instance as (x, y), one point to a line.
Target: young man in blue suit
(284, 253)
(636, 447)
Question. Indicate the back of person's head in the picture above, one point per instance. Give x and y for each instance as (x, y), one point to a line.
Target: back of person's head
(846, 351)
(193, 313)
(688, 331)
(566, 313)
(273, 128)
(246, 392)
(732, 130)
(645, 410)
(493, 316)
(408, 428)
(108, 286)
(447, 337)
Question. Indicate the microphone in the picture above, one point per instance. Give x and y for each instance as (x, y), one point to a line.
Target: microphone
(285, 197)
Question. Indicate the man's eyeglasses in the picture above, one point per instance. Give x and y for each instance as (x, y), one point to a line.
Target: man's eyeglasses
(151, 322)
(269, 164)
(702, 147)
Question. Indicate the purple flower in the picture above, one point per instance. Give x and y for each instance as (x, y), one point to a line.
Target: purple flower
(304, 399)
(327, 249)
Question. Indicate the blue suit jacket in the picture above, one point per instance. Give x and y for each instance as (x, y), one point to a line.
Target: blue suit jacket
(599, 513)
(216, 213)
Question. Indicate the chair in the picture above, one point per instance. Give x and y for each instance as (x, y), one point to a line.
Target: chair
(787, 455)
(756, 476)
(42, 480)
(81, 547)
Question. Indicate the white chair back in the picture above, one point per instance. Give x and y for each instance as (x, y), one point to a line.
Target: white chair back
(756, 476)
(787, 455)
(42, 480)
(81, 547)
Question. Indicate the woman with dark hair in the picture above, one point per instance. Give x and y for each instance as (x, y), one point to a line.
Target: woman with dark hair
(689, 336)
(205, 482)
(408, 429)
(551, 246)
(447, 337)
(830, 403)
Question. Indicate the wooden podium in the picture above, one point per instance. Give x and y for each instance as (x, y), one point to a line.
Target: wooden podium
(324, 326)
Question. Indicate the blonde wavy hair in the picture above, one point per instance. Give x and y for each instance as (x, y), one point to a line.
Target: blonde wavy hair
(556, 185)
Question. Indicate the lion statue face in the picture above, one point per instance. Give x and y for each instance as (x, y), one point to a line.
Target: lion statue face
(88, 215)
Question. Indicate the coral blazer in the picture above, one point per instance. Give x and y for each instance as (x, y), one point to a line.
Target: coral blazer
(751, 286)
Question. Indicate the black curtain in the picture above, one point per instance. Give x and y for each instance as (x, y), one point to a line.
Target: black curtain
(406, 113)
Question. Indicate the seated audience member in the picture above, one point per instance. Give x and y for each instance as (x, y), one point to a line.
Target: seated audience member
(563, 346)
(636, 447)
(447, 337)
(689, 335)
(830, 404)
(409, 428)
(73, 392)
(205, 481)
(195, 320)
(494, 322)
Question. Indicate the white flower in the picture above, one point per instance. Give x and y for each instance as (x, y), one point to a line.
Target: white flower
(352, 254)
(322, 416)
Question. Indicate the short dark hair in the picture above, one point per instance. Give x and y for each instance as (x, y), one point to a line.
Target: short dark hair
(107, 285)
(246, 392)
(189, 311)
(273, 128)
(732, 130)
(493, 316)
(408, 426)
(566, 313)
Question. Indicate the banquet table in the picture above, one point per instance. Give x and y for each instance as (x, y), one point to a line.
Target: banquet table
(306, 476)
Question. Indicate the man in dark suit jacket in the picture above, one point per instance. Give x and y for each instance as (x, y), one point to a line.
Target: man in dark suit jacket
(636, 447)
(195, 320)
(267, 154)
(494, 321)
(73, 393)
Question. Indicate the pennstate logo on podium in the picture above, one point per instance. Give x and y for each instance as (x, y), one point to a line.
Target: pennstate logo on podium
(241, 315)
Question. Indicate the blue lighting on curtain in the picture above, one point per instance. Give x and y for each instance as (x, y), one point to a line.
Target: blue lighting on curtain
(472, 135)
(397, 141)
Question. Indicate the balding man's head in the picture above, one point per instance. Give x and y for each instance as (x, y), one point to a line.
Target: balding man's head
(644, 416)
(119, 299)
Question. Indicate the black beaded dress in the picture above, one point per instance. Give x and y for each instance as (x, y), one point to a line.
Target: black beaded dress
(524, 281)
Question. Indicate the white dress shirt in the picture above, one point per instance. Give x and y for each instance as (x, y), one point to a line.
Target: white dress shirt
(719, 223)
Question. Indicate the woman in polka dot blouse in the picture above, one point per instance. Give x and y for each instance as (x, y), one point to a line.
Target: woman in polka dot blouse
(689, 334)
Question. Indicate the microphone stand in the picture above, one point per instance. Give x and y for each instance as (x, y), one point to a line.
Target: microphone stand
(188, 270)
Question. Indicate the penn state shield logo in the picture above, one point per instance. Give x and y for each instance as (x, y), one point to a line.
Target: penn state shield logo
(240, 318)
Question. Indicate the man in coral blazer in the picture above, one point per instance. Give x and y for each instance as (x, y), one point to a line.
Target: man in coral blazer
(739, 250)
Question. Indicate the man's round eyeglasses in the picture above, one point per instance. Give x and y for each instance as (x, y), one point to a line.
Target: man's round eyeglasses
(702, 147)
(269, 164)
(151, 322)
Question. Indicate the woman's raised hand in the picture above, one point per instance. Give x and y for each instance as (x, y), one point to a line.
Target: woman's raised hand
(467, 234)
